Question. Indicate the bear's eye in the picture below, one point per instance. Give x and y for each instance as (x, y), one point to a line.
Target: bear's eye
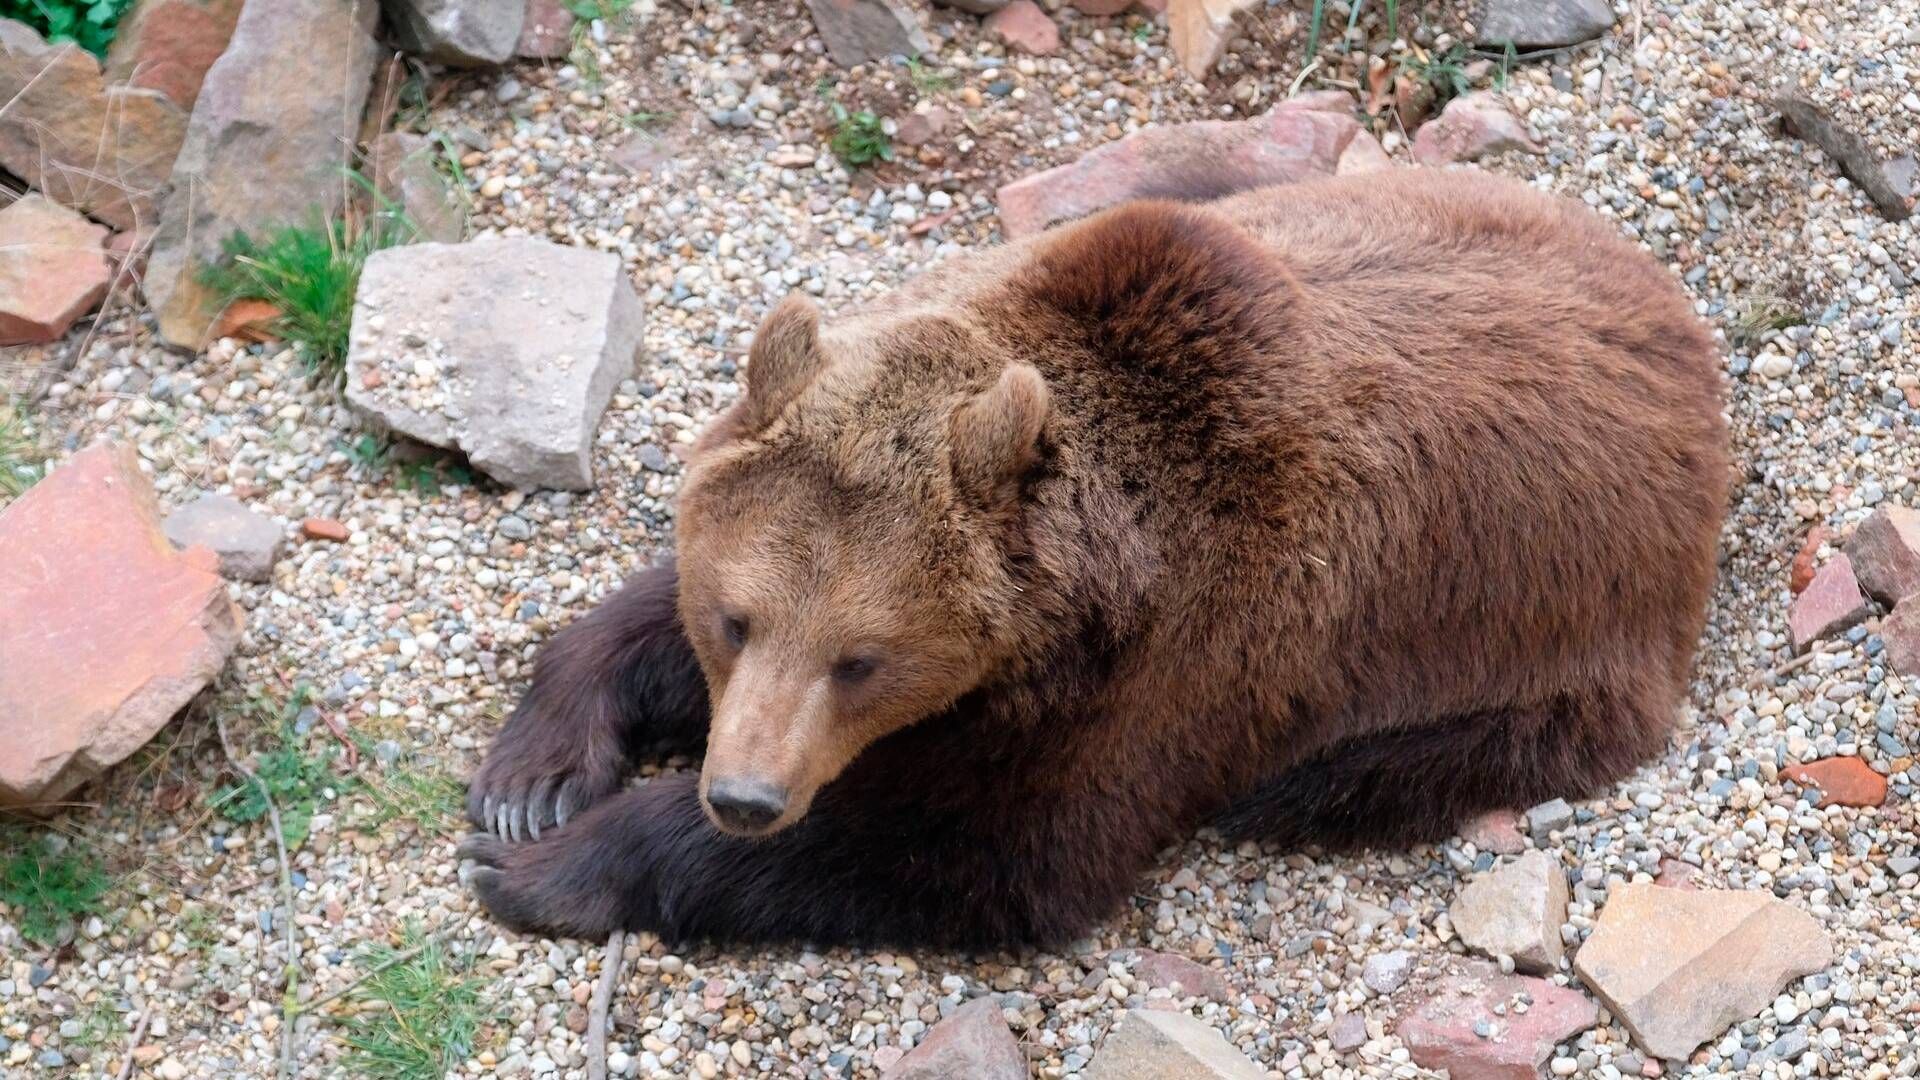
(853, 669)
(734, 627)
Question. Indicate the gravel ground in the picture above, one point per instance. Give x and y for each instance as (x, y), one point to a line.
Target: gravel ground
(418, 629)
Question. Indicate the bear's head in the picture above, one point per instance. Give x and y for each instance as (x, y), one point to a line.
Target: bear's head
(849, 545)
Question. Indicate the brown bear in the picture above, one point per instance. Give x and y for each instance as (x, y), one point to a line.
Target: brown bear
(1331, 513)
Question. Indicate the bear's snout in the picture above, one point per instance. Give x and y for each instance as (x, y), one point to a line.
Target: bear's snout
(745, 804)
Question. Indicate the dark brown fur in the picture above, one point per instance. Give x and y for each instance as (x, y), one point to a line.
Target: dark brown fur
(1358, 507)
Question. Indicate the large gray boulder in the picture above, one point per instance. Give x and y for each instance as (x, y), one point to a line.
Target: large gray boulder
(458, 33)
(268, 145)
(1543, 24)
(505, 349)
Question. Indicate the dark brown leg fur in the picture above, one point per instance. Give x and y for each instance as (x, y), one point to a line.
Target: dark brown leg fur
(1419, 785)
(619, 683)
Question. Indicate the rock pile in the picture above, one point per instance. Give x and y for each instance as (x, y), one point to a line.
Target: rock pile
(1881, 565)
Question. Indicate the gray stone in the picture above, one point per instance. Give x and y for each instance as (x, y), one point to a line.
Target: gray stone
(1901, 865)
(1153, 1045)
(1516, 910)
(857, 31)
(974, 1043)
(458, 33)
(1543, 24)
(505, 349)
(267, 147)
(1549, 817)
(1678, 967)
(1349, 1032)
(248, 544)
(1388, 972)
(1856, 159)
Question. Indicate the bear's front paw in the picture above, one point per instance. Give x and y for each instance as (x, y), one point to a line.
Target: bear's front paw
(533, 888)
(524, 787)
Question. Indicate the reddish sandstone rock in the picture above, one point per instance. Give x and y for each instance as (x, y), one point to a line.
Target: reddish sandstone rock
(248, 320)
(1497, 831)
(923, 126)
(1885, 550)
(1471, 127)
(53, 269)
(168, 45)
(324, 529)
(1022, 25)
(972, 1044)
(1182, 976)
(1843, 781)
(547, 33)
(1289, 143)
(1440, 1033)
(108, 630)
(1800, 575)
(1198, 31)
(1363, 154)
(1901, 632)
(1832, 603)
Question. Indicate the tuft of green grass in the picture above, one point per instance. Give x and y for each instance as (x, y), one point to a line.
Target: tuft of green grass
(310, 273)
(21, 461)
(48, 883)
(89, 24)
(1757, 317)
(858, 139)
(925, 79)
(418, 1014)
(1445, 72)
(297, 778)
(581, 53)
(432, 800)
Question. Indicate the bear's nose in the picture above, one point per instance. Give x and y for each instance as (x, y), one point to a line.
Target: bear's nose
(746, 805)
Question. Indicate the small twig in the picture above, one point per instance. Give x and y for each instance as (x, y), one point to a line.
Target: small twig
(289, 1008)
(1789, 666)
(139, 1032)
(597, 1011)
(1294, 88)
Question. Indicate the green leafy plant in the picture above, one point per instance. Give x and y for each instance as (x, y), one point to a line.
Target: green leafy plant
(310, 273)
(48, 884)
(421, 1008)
(1445, 72)
(296, 778)
(603, 10)
(858, 139)
(21, 462)
(1508, 56)
(89, 24)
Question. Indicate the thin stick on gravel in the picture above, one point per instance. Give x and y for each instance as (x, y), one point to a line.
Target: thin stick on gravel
(139, 1032)
(597, 1011)
(289, 1008)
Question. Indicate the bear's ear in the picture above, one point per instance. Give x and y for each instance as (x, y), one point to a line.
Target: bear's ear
(784, 358)
(996, 434)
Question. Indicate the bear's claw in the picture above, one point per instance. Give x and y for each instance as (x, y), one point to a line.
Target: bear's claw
(501, 802)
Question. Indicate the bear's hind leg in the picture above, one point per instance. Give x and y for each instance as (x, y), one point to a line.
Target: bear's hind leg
(1420, 784)
(620, 683)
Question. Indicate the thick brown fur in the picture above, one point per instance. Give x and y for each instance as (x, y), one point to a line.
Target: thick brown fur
(1331, 513)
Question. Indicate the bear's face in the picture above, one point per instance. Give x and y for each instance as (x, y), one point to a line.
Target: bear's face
(845, 544)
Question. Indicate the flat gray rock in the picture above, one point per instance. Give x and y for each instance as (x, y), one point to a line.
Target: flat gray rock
(248, 544)
(972, 1044)
(507, 350)
(857, 31)
(458, 33)
(1516, 910)
(1154, 1045)
(1543, 24)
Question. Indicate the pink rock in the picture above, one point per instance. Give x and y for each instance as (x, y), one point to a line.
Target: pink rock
(1183, 976)
(1831, 603)
(1022, 25)
(53, 269)
(919, 128)
(1497, 831)
(1440, 1032)
(548, 32)
(168, 45)
(1206, 157)
(973, 1043)
(1362, 155)
(109, 631)
(1901, 632)
(1675, 874)
(1885, 550)
(1471, 127)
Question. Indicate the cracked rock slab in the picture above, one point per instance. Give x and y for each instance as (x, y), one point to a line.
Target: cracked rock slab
(1516, 910)
(1679, 967)
(507, 350)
